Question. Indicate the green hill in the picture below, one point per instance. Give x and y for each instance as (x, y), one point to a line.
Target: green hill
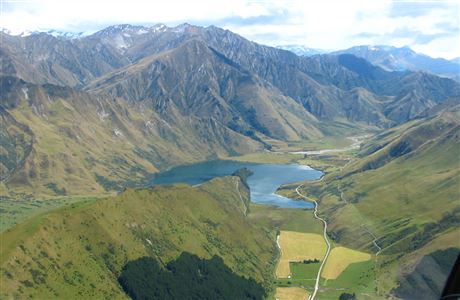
(79, 251)
(401, 192)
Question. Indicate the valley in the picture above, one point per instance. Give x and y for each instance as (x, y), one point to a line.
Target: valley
(362, 266)
(163, 162)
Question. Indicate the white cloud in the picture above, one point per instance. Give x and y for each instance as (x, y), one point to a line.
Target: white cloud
(326, 24)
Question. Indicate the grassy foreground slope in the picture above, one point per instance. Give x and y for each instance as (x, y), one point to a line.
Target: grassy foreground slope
(78, 251)
(402, 192)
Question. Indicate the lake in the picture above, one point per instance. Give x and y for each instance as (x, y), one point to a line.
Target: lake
(262, 184)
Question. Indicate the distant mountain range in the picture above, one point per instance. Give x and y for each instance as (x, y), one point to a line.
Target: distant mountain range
(390, 58)
(146, 98)
(302, 50)
(401, 59)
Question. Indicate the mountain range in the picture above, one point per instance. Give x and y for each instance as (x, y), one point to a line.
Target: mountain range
(100, 112)
(86, 120)
(301, 50)
(400, 59)
(390, 58)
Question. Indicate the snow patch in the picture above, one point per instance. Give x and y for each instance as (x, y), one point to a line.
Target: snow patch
(64, 34)
(118, 132)
(102, 115)
(120, 42)
(149, 124)
(26, 93)
(202, 69)
(159, 28)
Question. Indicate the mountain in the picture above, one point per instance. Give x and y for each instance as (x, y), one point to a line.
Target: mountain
(98, 113)
(400, 59)
(57, 138)
(86, 121)
(401, 192)
(138, 230)
(198, 80)
(301, 50)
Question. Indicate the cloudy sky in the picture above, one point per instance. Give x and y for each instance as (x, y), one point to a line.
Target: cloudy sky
(430, 27)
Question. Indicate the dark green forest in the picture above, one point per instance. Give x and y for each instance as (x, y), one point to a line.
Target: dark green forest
(187, 277)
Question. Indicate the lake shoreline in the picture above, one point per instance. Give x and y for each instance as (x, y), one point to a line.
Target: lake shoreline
(263, 184)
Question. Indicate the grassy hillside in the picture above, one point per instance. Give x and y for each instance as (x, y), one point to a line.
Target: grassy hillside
(56, 141)
(78, 251)
(401, 192)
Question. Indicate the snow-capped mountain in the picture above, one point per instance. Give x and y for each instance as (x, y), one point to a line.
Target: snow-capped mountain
(301, 50)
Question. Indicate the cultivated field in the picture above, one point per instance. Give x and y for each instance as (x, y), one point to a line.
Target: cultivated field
(339, 259)
(297, 246)
(291, 293)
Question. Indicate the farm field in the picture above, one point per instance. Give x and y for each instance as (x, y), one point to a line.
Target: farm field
(298, 246)
(358, 278)
(287, 219)
(291, 293)
(339, 259)
(302, 275)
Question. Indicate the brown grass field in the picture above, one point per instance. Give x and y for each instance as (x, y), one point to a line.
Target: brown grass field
(297, 246)
(291, 293)
(339, 259)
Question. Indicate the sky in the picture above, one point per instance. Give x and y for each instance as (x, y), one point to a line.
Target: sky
(429, 27)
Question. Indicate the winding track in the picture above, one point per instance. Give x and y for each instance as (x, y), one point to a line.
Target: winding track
(241, 198)
(374, 241)
(315, 213)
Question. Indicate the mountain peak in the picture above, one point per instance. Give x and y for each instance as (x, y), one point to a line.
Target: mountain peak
(186, 27)
(301, 50)
(24, 33)
(122, 28)
(160, 27)
(65, 34)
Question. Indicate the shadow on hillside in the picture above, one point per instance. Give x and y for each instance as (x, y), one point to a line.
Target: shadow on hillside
(187, 277)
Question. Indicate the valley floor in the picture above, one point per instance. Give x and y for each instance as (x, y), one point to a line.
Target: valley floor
(361, 261)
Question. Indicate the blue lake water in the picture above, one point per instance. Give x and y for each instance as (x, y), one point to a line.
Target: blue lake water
(262, 184)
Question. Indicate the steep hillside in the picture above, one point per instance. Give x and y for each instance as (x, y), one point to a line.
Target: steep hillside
(200, 81)
(399, 198)
(61, 141)
(323, 80)
(102, 112)
(15, 144)
(108, 236)
(318, 83)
